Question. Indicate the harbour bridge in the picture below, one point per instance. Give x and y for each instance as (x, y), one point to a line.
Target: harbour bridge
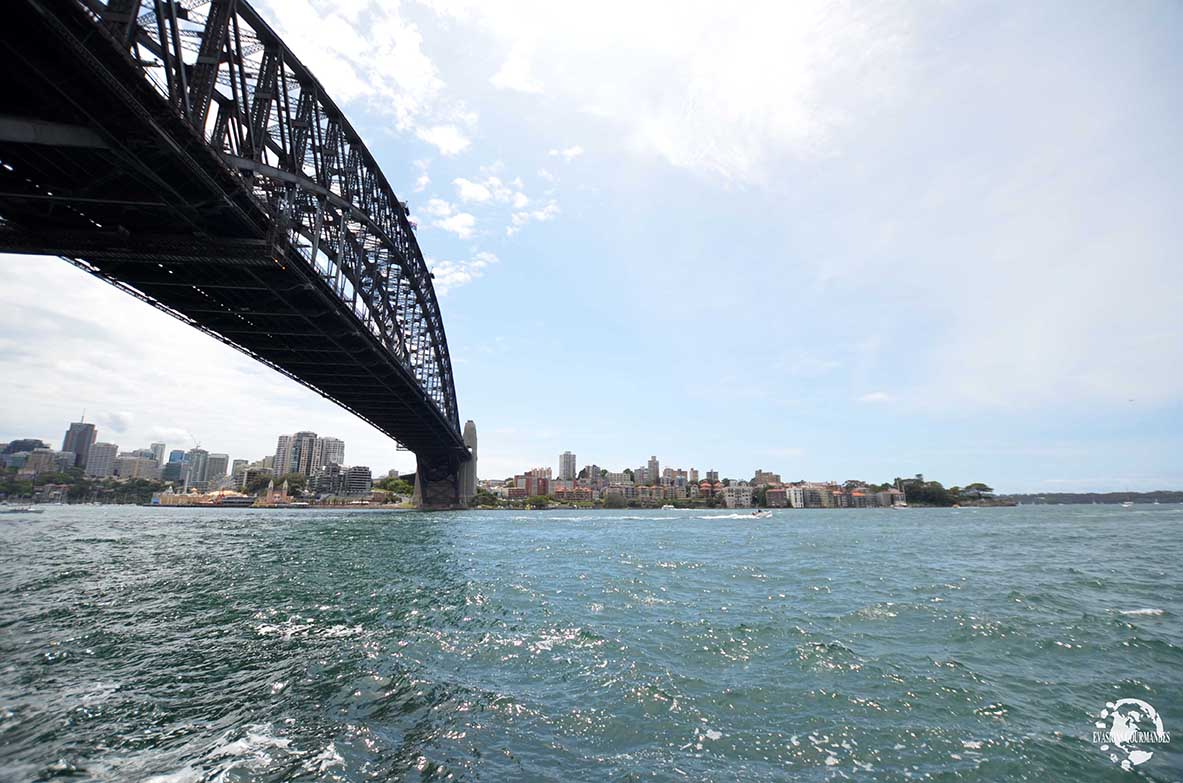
(178, 150)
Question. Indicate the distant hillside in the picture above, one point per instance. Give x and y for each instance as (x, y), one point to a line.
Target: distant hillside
(1162, 496)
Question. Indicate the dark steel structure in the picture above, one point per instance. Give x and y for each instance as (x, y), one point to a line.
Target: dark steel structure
(178, 150)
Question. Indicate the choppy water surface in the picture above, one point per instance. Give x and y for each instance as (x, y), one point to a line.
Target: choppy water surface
(241, 645)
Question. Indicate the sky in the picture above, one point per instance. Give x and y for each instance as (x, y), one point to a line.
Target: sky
(827, 239)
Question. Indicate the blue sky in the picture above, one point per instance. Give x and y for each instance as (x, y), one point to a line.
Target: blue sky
(831, 240)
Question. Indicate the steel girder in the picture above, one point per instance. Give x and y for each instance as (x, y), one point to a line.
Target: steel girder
(226, 73)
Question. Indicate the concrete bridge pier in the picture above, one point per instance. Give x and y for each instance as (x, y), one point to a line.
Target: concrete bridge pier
(448, 480)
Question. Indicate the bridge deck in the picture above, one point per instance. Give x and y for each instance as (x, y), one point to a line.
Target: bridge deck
(97, 167)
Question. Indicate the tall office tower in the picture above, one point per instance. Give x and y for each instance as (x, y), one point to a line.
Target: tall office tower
(713, 476)
(654, 470)
(176, 455)
(467, 475)
(158, 452)
(236, 469)
(283, 456)
(100, 459)
(79, 438)
(641, 475)
(198, 462)
(567, 466)
(328, 451)
(303, 450)
(216, 468)
(693, 475)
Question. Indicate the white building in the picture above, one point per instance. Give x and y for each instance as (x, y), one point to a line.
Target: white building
(100, 460)
(567, 466)
(738, 496)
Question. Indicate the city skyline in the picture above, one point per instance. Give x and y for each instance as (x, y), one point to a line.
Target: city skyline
(791, 258)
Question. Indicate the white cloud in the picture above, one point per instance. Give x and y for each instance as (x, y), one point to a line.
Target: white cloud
(366, 51)
(705, 87)
(567, 153)
(519, 219)
(437, 207)
(490, 189)
(514, 73)
(461, 224)
(472, 191)
(452, 274)
(422, 182)
(876, 396)
(448, 139)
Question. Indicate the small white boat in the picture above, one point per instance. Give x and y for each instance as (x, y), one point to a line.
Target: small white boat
(667, 507)
(1127, 503)
(761, 514)
(20, 510)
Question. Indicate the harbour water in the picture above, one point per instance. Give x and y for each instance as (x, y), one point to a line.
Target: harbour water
(243, 645)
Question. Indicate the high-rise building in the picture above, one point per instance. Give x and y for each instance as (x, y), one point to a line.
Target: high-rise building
(567, 466)
(713, 476)
(100, 459)
(216, 467)
(158, 452)
(135, 465)
(198, 468)
(176, 455)
(328, 451)
(303, 452)
(693, 476)
(236, 469)
(79, 438)
(653, 471)
(283, 456)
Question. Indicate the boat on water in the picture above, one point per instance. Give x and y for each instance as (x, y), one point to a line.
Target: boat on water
(667, 507)
(20, 510)
(1127, 503)
(761, 514)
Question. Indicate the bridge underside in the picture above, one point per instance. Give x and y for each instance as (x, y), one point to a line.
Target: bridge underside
(97, 168)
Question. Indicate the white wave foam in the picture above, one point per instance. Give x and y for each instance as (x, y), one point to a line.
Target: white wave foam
(184, 775)
(1144, 612)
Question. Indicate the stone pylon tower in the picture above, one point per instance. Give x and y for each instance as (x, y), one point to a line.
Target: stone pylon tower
(468, 469)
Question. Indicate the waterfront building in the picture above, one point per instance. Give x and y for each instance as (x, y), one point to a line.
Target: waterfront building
(692, 476)
(100, 459)
(618, 478)
(78, 439)
(356, 481)
(738, 495)
(713, 476)
(653, 471)
(776, 497)
(567, 467)
(157, 450)
(215, 467)
(236, 469)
